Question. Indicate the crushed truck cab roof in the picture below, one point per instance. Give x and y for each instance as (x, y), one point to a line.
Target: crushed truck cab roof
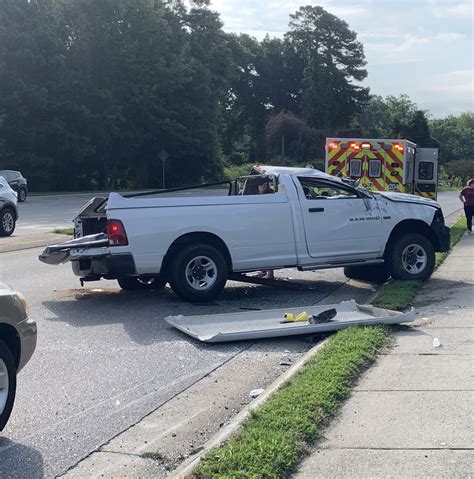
(287, 170)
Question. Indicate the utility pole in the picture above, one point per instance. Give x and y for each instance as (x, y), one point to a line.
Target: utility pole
(163, 157)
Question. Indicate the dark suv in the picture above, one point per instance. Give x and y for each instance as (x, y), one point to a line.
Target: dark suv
(17, 182)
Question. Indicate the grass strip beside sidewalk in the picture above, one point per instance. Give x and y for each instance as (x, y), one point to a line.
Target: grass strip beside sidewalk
(399, 295)
(273, 439)
(64, 231)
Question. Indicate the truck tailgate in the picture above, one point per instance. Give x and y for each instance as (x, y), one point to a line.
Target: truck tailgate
(91, 246)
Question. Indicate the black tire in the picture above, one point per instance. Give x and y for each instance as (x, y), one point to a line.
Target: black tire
(22, 194)
(201, 257)
(6, 362)
(371, 273)
(411, 257)
(134, 283)
(7, 222)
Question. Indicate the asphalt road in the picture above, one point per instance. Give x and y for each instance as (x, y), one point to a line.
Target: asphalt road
(41, 214)
(105, 358)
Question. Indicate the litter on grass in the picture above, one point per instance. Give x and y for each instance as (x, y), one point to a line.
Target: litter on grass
(214, 328)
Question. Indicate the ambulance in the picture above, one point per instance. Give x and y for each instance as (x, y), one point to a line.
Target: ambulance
(384, 165)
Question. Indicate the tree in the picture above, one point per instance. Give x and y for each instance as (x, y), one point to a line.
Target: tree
(463, 170)
(33, 90)
(333, 58)
(418, 131)
(456, 136)
(290, 140)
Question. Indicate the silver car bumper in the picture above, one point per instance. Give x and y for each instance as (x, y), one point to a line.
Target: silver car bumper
(27, 331)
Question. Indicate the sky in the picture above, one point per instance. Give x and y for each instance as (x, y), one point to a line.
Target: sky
(423, 48)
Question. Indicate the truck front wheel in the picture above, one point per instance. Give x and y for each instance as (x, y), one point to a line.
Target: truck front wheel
(198, 272)
(411, 257)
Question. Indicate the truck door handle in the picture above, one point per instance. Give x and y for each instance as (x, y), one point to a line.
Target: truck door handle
(316, 210)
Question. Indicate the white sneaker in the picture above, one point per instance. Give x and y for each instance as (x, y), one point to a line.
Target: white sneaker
(468, 233)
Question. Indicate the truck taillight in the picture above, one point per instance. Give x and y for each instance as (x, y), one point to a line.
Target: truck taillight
(116, 233)
(355, 146)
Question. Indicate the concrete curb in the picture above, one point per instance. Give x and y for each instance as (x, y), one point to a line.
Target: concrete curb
(19, 243)
(453, 217)
(185, 469)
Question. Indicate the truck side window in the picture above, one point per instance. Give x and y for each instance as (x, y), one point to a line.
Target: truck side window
(319, 190)
(247, 185)
(425, 170)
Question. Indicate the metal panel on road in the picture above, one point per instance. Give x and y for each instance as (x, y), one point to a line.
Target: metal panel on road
(215, 328)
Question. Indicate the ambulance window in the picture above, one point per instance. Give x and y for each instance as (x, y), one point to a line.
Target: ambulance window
(355, 167)
(425, 170)
(375, 169)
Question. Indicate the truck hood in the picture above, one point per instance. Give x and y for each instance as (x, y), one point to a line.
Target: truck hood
(406, 198)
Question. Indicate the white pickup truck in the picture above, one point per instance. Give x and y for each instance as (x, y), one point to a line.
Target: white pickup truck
(309, 220)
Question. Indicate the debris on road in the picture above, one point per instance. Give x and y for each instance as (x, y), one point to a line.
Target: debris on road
(256, 392)
(291, 318)
(214, 328)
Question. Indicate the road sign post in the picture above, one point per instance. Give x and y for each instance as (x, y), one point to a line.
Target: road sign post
(163, 157)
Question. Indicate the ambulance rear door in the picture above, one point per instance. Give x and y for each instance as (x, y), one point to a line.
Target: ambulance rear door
(426, 172)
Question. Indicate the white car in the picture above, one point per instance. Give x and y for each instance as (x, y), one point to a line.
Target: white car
(8, 208)
(309, 221)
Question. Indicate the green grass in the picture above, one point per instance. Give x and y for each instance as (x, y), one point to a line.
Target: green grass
(399, 295)
(64, 231)
(449, 188)
(274, 438)
(457, 230)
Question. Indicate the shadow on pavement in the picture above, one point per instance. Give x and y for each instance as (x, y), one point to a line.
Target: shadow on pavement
(142, 313)
(19, 461)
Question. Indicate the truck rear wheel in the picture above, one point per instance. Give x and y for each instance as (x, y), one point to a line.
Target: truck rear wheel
(411, 257)
(372, 273)
(198, 272)
(135, 283)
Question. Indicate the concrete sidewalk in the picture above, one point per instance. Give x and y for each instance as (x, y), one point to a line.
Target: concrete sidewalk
(411, 415)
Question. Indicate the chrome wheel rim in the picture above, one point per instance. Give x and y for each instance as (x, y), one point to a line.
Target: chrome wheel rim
(8, 222)
(414, 259)
(22, 195)
(3, 385)
(201, 273)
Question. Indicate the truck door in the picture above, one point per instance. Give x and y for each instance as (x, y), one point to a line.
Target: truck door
(426, 172)
(340, 222)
